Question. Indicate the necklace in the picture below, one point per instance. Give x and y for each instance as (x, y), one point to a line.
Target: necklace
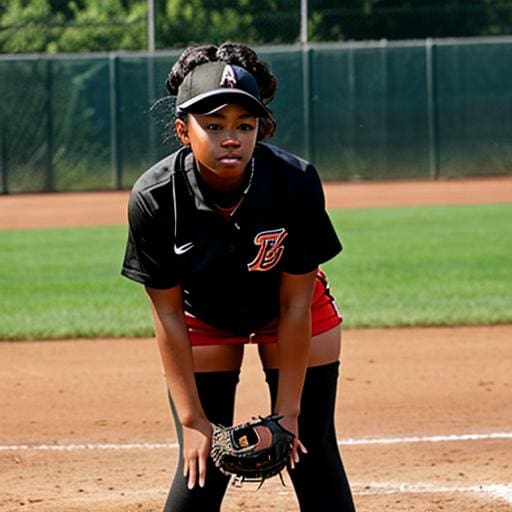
(229, 211)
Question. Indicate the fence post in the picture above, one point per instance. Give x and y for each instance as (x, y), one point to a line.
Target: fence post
(383, 122)
(304, 22)
(152, 135)
(307, 100)
(151, 25)
(432, 109)
(307, 104)
(48, 182)
(3, 163)
(115, 136)
(350, 135)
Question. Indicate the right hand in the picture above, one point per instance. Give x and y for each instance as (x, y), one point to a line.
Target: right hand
(197, 440)
(290, 423)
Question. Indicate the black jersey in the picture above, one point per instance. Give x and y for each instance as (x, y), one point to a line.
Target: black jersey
(229, 270)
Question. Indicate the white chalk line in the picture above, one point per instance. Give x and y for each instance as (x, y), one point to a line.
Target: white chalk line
(87, 447)
(502, 492)
(342, 442)
(499, 492)
(428, 439)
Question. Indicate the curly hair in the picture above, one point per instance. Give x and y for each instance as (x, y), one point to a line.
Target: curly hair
(231, 53)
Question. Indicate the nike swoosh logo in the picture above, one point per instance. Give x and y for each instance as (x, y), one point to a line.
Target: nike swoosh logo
(182, 249)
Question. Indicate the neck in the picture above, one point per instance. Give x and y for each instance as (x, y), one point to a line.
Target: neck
(224, 184)
(227, 192)
(221, 184)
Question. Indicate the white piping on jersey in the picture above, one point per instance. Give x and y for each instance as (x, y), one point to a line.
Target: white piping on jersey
(174, 207)
(183, 248)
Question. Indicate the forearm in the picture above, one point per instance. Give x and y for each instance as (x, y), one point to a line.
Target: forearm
(178, 365)
(294, 335)
(176, 356)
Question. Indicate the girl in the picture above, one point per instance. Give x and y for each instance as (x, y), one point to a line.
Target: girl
(226, 234)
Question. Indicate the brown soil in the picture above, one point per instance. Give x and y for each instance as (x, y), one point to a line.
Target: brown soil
(87, 209)
(423, 415)
(95, 398)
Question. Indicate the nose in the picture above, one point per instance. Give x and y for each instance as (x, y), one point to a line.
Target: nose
(230, 140)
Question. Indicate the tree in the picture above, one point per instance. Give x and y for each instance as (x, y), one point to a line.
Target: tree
(72, 26)
(409, 19)
(99, 25)
(104, 26)
(181, 22)
(22, 26)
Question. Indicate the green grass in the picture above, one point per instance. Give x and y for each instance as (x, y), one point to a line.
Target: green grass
(400, 266)
(424, 266)
(59, 283)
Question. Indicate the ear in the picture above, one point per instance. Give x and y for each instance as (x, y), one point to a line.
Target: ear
(182, 131)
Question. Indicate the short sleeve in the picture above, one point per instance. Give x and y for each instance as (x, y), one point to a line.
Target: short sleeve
(149, 258)
(312, 239)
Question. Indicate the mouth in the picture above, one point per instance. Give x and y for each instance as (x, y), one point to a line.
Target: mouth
(230, 159)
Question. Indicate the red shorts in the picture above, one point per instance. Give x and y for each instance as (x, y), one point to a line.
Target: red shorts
(324, 316)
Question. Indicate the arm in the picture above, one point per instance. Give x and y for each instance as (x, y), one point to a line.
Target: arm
(176, 356)
(294, 340)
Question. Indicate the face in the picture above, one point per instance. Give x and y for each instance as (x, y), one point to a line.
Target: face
(222, 143)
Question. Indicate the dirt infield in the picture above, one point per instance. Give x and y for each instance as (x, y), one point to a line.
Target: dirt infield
(86, 209)
(423, 417)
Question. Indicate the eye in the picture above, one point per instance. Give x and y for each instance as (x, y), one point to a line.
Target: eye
(213, 127)
(246, 127)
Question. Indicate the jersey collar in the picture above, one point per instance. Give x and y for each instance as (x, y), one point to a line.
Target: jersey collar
(189, 166)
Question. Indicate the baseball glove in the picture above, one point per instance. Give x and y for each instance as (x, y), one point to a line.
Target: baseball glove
(252, 451)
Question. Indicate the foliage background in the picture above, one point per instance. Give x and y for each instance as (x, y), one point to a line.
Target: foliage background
(104, 25)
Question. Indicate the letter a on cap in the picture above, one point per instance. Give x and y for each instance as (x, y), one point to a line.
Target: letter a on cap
(228, 78)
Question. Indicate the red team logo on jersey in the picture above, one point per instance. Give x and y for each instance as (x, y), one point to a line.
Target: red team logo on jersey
(271, 249)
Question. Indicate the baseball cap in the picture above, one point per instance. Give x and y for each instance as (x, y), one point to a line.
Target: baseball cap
(213, 85)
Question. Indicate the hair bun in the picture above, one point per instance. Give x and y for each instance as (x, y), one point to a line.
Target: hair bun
(187, 61)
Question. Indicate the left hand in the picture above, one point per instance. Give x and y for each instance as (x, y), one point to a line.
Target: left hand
(290, 422)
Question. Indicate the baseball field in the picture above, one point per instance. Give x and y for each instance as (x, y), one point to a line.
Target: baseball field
(424, 414)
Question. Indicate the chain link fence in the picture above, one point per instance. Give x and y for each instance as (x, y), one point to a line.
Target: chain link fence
(359, 111)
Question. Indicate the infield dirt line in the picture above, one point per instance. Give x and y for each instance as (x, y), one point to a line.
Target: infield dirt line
(341, 442)
(499, 492)
(73, 209)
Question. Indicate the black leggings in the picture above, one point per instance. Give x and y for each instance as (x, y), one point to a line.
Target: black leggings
(217, 394)
(319, 479)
